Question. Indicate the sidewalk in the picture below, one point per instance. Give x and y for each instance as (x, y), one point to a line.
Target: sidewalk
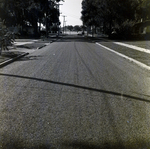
(22, 47)
(31, 43)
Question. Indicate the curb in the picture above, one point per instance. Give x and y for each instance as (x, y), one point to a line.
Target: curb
(130, 59)
(12, 60)
(38, 48)
(41, 47)
(20, 56)
(47, 45)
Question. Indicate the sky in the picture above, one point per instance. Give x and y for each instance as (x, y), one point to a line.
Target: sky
(72, 10)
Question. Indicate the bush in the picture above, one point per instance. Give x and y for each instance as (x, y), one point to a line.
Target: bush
(6, 37)
(125, 30)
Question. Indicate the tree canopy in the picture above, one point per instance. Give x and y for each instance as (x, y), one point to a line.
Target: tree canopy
(114, 12)
(18, 12)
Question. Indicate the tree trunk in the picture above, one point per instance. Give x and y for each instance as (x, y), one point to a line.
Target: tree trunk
(35, 26)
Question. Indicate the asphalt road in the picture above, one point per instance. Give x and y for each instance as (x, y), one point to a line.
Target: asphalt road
(74, 94)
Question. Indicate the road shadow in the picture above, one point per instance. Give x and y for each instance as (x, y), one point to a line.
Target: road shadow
(16, 143)
(81, 87)
(30, 58)
(13, 143)
(77, 38)
(106, 145)
(10, 54)
(7, 142)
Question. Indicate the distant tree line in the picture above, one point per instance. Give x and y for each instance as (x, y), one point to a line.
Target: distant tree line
(33, 12)
(121, 14)
(76, 28)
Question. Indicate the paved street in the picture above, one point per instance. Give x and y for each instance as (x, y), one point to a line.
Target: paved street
(75, 94)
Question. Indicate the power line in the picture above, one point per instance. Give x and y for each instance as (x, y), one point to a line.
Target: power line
(72, 15)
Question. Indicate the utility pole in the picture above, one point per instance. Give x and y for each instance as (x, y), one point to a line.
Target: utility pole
(64, 22)
(65, 26)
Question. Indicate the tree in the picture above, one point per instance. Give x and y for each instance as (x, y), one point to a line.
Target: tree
(70, 27)
(6, 37)
(143, 11)
(51, 13)
(89, 13)
(109, 13)
(18, 12)
(77, 28)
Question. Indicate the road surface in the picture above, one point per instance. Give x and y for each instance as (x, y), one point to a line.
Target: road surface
(74, 94)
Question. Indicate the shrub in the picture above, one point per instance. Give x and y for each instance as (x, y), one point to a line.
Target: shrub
(125, 29)
(6, 37)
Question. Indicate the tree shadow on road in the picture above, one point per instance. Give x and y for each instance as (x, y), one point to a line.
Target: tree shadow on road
(81, 39)
(105, 145)
(10, 54)
(80, 87)
(13, 143)
(27, 58)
